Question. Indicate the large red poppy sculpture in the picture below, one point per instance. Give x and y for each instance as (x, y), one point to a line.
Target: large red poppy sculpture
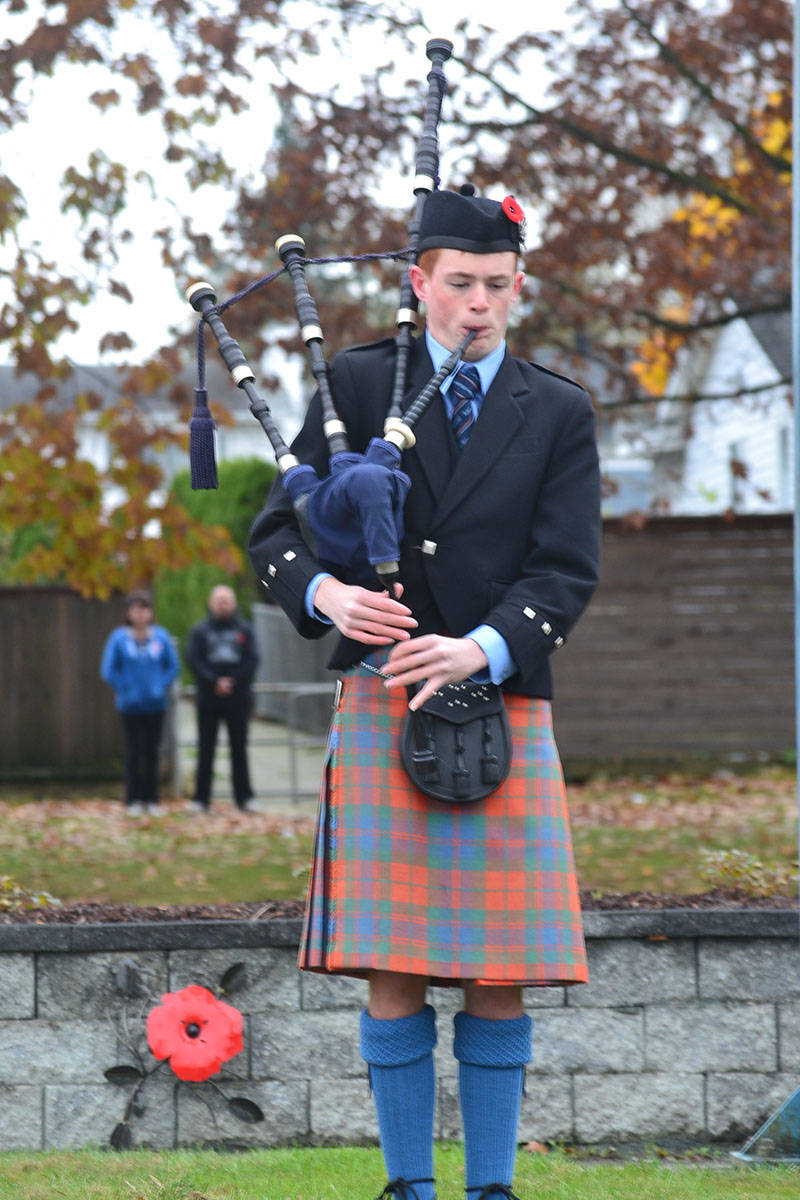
(195, 1031)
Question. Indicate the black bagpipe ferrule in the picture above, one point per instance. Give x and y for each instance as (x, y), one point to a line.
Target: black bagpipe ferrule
(292, 251)
(203, 300)
(438, 51)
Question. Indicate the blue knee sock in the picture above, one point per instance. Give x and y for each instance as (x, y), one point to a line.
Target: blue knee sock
(400, 1057)
(491, 1072)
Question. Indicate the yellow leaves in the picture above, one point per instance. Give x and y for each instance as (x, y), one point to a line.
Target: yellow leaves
(652, 368)
(656, 354)
(707, 217)
(771, 123)
(777, 139)
(774, 129)
(710, 222)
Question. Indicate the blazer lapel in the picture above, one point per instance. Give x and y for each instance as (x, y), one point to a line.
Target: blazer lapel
(499, 422)
(432, 456)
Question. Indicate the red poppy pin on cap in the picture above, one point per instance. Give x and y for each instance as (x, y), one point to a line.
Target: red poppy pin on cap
(513, 210)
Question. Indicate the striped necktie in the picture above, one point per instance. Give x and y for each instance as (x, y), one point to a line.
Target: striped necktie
(465, 387)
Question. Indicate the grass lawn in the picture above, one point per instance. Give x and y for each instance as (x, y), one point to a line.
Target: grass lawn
(631, 834)
(357, 1174)
(87, 849)
(651, 834)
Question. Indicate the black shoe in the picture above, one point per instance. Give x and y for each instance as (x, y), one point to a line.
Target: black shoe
(402, 1189)
(493, 1189)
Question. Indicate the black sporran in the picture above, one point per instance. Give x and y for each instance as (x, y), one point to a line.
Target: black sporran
(457, 746)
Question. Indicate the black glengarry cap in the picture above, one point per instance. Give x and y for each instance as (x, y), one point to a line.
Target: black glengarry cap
(463, 221)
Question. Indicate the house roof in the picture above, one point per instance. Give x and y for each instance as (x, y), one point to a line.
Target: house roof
(774, 334)
(108, 382)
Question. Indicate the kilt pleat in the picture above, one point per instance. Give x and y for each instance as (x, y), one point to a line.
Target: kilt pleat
(399, 882)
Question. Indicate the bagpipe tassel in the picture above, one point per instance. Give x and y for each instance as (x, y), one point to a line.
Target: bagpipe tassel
(202, 458)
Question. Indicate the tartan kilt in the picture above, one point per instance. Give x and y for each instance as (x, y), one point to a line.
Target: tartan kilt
(399, 882)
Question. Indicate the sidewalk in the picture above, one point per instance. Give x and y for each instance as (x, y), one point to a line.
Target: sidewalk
(285, 764)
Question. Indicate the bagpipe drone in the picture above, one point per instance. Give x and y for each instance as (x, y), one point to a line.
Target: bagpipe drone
(352, 517)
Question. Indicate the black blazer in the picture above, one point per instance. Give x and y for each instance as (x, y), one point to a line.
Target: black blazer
(504, 532)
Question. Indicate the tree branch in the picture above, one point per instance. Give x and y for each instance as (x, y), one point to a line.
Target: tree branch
(695, 397)
(744, 314)
(777, 161)
(681, 179)
(782, 305)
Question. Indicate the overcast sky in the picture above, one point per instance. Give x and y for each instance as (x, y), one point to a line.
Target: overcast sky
(62, 129)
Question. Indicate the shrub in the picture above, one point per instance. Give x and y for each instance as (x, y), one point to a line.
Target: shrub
(181, 596)
(743, 871)
(243, 485)
(14, 896)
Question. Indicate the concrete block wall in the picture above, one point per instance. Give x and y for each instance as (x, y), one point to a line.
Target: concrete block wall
(688, 1032)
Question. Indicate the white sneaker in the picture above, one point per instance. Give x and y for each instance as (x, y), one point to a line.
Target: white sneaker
(134, 810)
(250, 806)
(154, 810)
(196, 806)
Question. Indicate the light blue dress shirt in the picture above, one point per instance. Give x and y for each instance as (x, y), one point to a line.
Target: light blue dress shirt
(493, 644)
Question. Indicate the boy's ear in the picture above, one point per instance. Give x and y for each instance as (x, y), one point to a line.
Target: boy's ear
(419, 281)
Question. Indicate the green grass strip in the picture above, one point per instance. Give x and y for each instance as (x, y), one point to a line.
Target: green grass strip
(357, 1174)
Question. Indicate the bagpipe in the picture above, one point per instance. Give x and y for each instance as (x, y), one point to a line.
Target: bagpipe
(352, 517)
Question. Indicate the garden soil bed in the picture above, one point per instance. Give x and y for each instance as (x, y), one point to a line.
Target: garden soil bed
(269, 910)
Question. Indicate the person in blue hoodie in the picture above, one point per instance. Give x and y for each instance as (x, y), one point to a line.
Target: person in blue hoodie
(140, 662)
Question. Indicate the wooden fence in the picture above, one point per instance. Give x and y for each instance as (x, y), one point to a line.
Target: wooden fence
(687, 649)
(686, 652)
(57, 717)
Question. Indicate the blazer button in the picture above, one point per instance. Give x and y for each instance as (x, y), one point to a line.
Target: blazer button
(429, 548)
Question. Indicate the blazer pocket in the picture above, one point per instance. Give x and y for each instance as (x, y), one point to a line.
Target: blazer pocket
(527, 445)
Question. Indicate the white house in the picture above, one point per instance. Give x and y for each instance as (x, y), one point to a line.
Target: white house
(729, 455)
(238, 436)
(686, 458)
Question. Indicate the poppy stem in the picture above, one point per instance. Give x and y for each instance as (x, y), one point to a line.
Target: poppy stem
(139, 1085)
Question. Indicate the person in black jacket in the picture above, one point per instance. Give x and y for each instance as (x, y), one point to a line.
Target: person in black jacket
(498, 559)
(223, 656)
